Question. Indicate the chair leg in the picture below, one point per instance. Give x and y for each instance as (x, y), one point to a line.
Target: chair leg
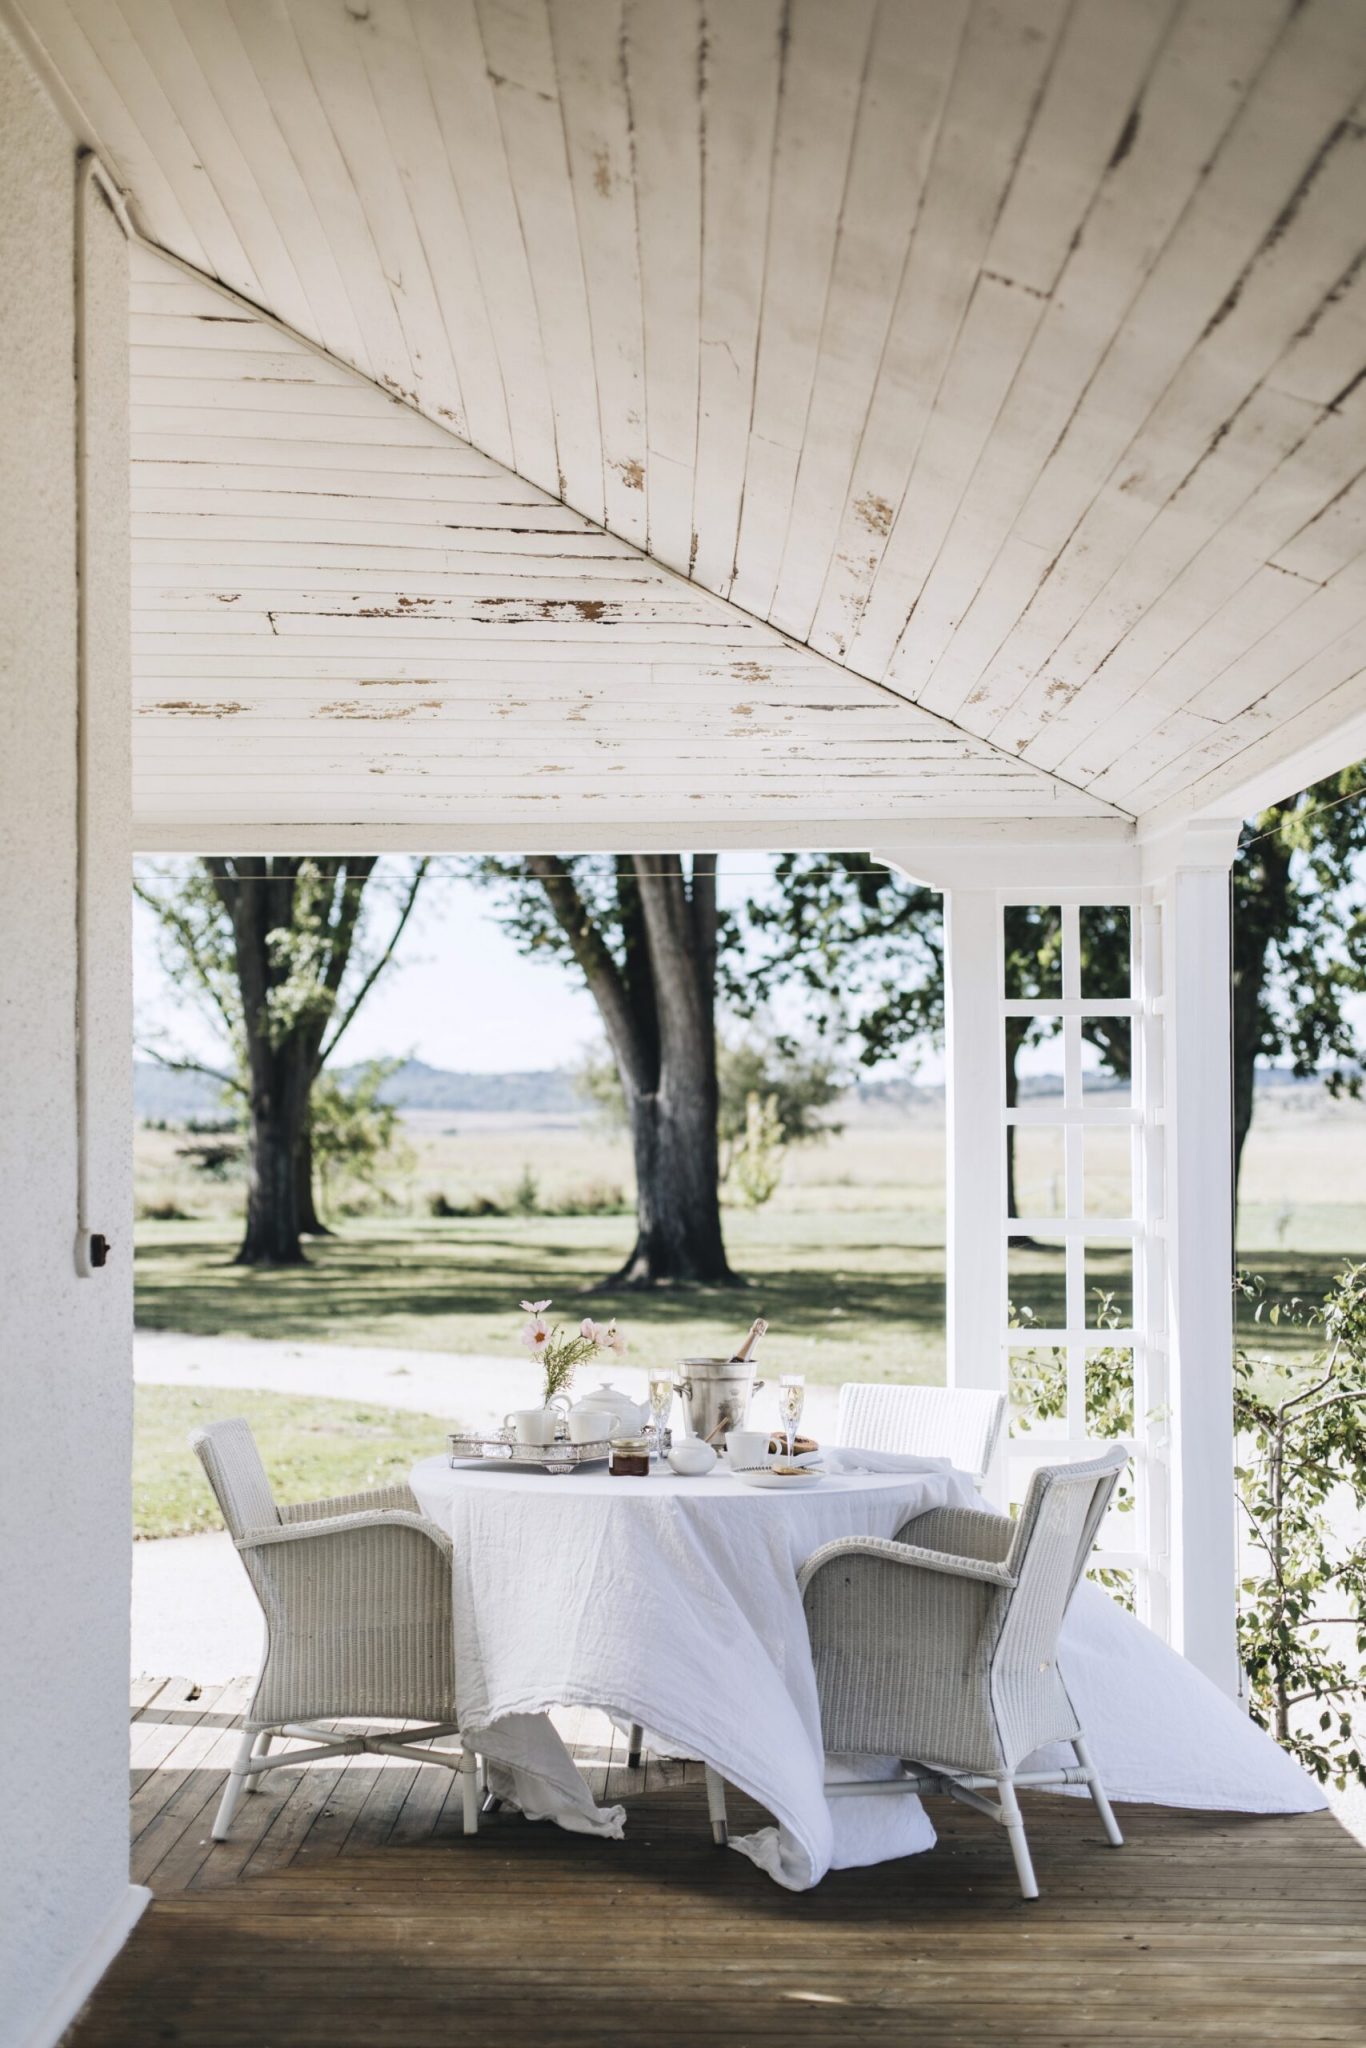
(634, 1744)
(469, 1790)
(1097, 1791)
(232, 1791)
(1019, 1846)
(261, 1747)
(716, 1806)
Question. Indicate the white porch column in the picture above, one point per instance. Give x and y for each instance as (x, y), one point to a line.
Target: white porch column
(974, 1102)
(66, 1106)
(1191, 883)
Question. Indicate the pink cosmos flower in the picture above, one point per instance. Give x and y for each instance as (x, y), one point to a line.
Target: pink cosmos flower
(536, 1335)
(591, 1330)
(616, 1340)
(533, 1308)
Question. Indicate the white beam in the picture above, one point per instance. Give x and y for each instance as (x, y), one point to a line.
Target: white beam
(1200, 1253)
(975, 1100)
(973, 852)
(1033, 854)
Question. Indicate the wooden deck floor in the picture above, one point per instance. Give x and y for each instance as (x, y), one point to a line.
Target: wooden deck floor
(349, 1909)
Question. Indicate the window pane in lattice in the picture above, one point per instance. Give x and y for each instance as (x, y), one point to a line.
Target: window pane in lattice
(1104, 930)
(1107, 1062)
(1108, 1171)
(1033, 952)
(1036, 1283)
(1040, 1170)
(1034, 1062)
(1109, 1286)
(1038, 1392)
(1110, 1391)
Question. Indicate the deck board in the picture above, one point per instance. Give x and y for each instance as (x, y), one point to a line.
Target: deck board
(349, 1909)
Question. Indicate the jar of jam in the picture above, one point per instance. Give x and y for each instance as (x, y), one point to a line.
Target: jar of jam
(630, 1457)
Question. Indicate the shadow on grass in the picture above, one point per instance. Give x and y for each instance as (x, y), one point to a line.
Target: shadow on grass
(840, 1311)
(456, 1287)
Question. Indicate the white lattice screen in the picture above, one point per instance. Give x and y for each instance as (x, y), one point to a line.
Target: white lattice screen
(1088, 1188)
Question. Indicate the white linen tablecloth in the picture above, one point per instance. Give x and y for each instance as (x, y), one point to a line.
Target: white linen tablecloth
(673, 1602)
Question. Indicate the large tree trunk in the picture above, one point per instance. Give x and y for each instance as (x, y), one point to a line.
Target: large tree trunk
(279, 1116)
(1260, 886)
(310, 1222)
(673, 1125)
(1015, 1036)
(678, 1214)
(657, 1005)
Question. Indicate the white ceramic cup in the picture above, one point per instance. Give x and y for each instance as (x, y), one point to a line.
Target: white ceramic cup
(532, 1425)
(746, 1448)
(591, 1425)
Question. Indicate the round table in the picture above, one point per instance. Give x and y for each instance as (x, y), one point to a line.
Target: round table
(673, 1603)
(669, 1602)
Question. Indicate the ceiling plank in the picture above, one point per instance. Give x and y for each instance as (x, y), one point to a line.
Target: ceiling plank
(519, 59)
(1001, 70)
(589, 65)
(824, 61)
(663, 60)
(741, 84)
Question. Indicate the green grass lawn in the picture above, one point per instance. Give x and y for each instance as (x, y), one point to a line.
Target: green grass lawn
(849, 1294)
(846, 1294)
(311, 1448)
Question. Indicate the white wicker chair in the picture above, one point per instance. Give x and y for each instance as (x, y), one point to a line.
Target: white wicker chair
(957, 1423)
(356, 1593)
(941, 1647)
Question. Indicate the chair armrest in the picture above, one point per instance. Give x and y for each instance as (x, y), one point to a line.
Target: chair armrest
(338, 1525)
(961, 1532)
(397, 1496)
(895, 1552)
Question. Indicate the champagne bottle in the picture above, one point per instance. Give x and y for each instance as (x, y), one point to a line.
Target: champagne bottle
(746, 1348)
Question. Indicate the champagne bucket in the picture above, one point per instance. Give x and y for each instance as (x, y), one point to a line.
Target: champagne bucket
(716, 1394)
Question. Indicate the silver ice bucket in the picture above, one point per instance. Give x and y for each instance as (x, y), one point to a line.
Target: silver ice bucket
(716, 1394)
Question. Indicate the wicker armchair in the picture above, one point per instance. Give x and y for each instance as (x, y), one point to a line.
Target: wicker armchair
(356, 1593)
(957, 1423)
(941, 1647)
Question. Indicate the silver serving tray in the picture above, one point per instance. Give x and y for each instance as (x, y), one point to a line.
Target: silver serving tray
(561, 1456)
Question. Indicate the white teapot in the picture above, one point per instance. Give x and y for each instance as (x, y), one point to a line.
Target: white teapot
(629, 1416)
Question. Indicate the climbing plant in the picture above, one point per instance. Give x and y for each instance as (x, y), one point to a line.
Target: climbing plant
(1302, 1486)
(1038, 1393)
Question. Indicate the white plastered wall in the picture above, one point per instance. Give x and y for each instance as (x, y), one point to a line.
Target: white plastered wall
(65, 1341)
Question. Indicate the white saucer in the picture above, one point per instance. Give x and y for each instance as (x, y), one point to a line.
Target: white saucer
(781, 1482)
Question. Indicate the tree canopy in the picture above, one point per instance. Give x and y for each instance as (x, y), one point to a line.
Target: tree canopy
(1299, 939)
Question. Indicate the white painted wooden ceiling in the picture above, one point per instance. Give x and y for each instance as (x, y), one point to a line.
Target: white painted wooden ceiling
(343, 614)
(1009, 356)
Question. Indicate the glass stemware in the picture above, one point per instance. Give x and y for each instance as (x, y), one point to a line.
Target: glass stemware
(661, 1402)
(791, 1400)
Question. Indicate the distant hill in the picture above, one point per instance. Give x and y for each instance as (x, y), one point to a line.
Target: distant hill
(542, 1090)
(161, 1095)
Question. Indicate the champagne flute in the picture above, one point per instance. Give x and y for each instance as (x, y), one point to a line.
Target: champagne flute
(791, 1399)
(661, 1401)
